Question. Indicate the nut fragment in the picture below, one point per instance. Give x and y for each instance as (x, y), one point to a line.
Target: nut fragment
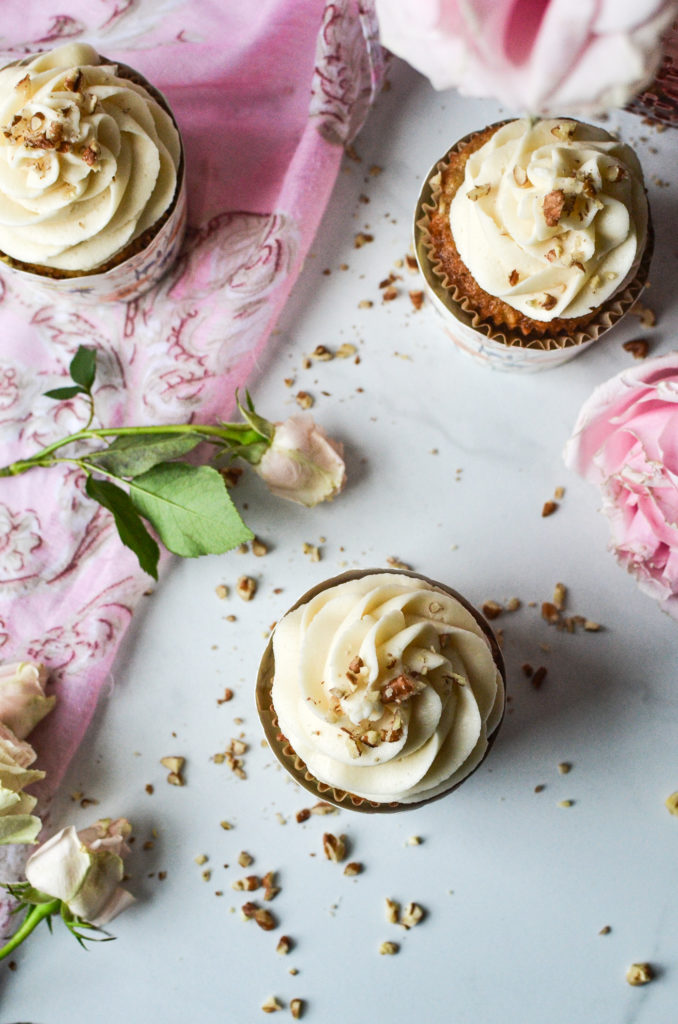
(491, 609)
(259, 547)
(247, 884)
(389, 948)
(334, 846)
(638, 348)
(400, 689)
(671, 803)
(411, 915)
(345, 350)
(639, 974)
(392, 911)
(549, 612)
(548, 508)
(538, 676)
(244, 859)
(354, 867)
(304, 400)
(322, 354)
(322, 808)
(175, 767)
(564, 767)
(554, 205)
(474, 194)
(284, 945)
(417, 299)
(296, 1008)
(271, 1005)
(246, 588)
(559, 595)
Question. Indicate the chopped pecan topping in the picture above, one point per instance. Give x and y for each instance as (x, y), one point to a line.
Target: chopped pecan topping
(520, 175)
(356, 664)
(638, 348)
(400, 689)
(73, 81)
(549, 301)
(478, 192)
(555, 204)
(334, 847)
(513, 278)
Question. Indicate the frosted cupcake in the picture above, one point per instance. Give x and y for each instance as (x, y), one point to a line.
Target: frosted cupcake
(534, 238)
(92, 197)
(381, 690)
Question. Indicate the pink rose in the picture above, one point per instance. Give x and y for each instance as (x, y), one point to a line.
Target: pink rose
(302, 463)
(626, 441)
(553, 57)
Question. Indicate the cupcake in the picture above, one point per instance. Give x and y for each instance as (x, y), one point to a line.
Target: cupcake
(92, 196)
(534, 237)
(381, 690)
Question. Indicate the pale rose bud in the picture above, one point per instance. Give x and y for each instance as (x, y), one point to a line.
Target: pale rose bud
(303, 463)
(17, 824)
(22, 696)
(84, 869)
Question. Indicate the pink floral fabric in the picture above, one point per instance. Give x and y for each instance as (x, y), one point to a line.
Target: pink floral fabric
(261, 162)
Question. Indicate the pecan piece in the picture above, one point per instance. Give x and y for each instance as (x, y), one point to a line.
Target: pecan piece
(400, 689)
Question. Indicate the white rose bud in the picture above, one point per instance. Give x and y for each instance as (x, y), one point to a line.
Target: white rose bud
(22, 696)
(17, 824)
(84, 869)
(302, 463)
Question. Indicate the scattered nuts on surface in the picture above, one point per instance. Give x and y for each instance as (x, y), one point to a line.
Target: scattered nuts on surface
(259, 547)
(221, 591)
(389, 948)
(175, 767)
(296, 1008)
(271, 1005)
(414, 841)
(564, 767)
(605, 930)
(244, 859)
(322, 808)
(354, 867)
(304, 400)
(638, 348)
(396, 563)
(417, 299)
(362, 238)
(549, 612)
(228, 695)
(566, 803)
(491, 609)
(549, 508)
(303, 815)
(671, 803)
(559, 596)
(284, 945)
(538, 676)
(411, 915)
(312, 550)
(392, 911)
(334, 847)
(639, 974)
(246, 588)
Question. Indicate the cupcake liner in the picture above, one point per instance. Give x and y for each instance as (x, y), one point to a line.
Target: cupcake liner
(496, 347)
(148, 257)
(288, 757)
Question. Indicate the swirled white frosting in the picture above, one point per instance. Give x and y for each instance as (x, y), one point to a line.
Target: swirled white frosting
(88, 160)
(551, 217)
(386, 687)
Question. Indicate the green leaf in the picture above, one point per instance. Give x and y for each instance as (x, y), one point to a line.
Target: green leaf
(190, 508)
(134, 454)
(132, 531)
(67, 392)
(83, 367)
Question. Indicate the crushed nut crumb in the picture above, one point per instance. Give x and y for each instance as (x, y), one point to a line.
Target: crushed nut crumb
(638, 347)
(411, 915)
(639, 974)
(246, 588)
(353, 868)
(334, 846)
(271, 1005)
(389, 948)
(175, 767)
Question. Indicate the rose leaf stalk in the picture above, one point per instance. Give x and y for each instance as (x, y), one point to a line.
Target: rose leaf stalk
(138, 475)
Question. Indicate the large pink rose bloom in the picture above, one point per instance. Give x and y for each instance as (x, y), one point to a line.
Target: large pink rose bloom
(536, 56)
(626, 441)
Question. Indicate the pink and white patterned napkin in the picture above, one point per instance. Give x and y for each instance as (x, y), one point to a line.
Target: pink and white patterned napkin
(265, 96)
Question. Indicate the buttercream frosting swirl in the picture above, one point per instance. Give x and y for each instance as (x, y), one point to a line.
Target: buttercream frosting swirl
(88, 160)
(551, 216)
(386, 687)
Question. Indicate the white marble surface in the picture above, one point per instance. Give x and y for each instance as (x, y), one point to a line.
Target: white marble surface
(516, 888)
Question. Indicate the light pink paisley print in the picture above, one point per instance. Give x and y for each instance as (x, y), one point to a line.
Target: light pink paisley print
(67, 586)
